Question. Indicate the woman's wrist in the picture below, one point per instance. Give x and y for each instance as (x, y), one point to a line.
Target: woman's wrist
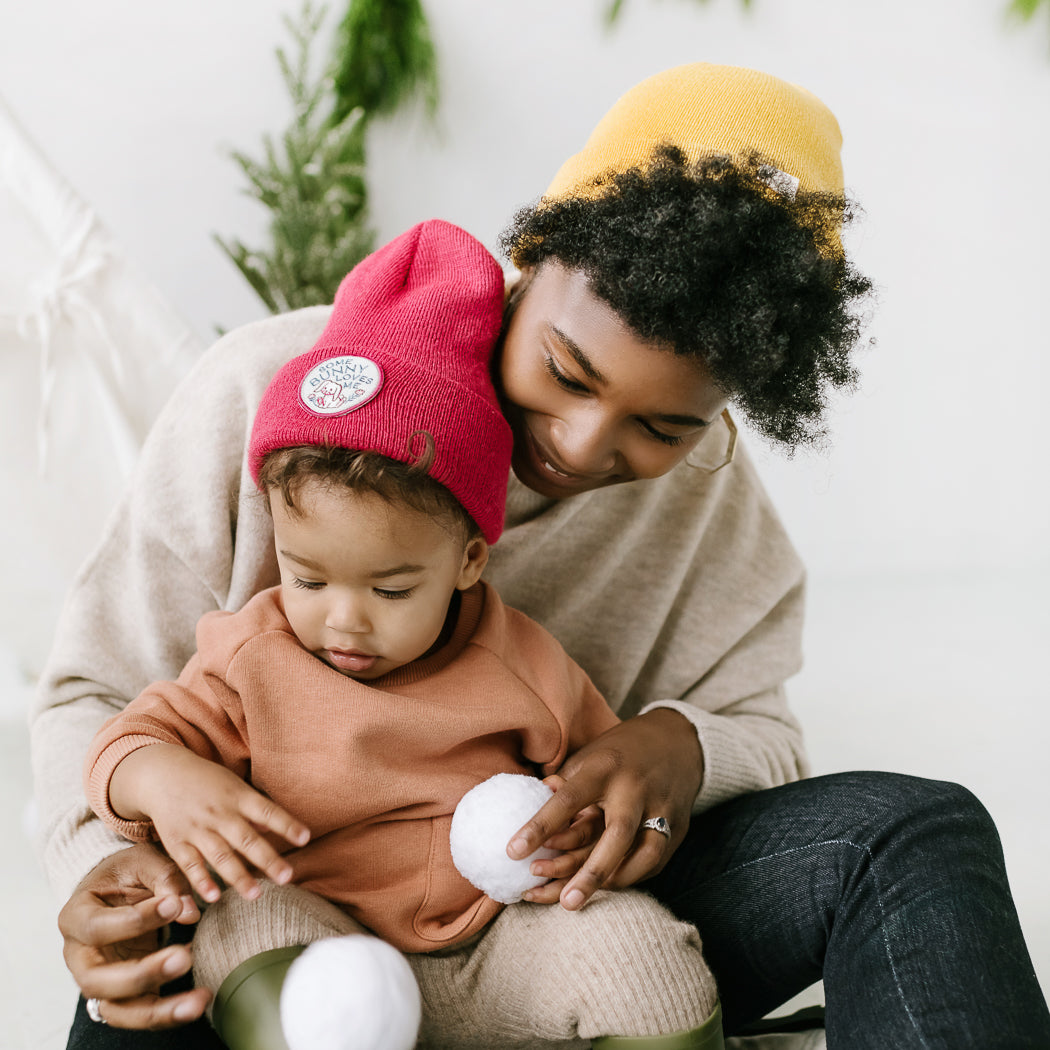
(682, 742)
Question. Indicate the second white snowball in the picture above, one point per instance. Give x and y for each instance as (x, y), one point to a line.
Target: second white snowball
(482, 825)
(350, 993)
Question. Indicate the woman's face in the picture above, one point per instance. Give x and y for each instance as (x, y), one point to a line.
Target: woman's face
(590, 403)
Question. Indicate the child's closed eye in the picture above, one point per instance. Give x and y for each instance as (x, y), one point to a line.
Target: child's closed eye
(394, 595)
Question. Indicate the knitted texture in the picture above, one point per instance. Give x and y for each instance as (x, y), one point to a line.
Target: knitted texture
(542, 976)
(406, 350)
(706, 109)
(539, 975)
(233, 930)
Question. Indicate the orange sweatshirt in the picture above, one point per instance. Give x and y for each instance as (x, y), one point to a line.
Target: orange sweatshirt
(373, 769)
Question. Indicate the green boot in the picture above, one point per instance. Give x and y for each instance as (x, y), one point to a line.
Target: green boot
(707, 1037)
(247, 1012)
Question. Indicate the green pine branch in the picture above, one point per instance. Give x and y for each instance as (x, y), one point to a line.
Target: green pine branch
(312, 179)
(1026, 10)
(386, 58)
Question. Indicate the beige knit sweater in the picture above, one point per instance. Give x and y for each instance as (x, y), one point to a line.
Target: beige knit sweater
(683, 592)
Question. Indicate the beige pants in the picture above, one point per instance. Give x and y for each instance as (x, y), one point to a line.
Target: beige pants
(539, 976)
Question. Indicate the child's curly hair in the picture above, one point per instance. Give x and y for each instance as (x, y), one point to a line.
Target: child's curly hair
(288, 470)
(709, 260)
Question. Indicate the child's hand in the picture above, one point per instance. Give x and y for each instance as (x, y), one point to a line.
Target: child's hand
(576, 841)
(206, 816)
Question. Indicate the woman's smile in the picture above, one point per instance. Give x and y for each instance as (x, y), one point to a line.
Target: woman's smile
(547, 461)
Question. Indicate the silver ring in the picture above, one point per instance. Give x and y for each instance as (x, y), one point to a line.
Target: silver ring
(94, 1013)
(658, 824)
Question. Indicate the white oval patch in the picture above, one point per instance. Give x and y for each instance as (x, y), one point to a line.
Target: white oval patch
(340, 384)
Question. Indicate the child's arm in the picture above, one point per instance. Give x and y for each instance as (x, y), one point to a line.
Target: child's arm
(206, 817)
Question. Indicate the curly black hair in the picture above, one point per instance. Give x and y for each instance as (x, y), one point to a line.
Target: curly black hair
(289, 470)
(710, 261)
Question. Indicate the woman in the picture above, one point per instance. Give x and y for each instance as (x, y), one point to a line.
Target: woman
(659, 284)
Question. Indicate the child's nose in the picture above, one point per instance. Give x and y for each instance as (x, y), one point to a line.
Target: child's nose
(348, 615)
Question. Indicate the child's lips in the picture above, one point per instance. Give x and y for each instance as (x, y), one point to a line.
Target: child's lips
(350, 660)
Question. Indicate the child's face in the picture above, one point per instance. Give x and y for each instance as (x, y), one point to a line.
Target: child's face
(366, 583)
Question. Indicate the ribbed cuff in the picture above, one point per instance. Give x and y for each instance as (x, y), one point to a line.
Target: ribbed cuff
(97, 785)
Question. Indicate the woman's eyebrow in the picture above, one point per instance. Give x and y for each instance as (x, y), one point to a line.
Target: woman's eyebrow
(683, 421)
(587, 367)
(577, 354)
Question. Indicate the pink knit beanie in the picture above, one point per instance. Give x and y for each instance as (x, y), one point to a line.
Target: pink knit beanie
(407, 348)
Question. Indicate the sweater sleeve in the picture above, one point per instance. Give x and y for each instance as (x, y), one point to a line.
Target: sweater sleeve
(749, 738)
(199, 711)
(748, 628)
(189, 536)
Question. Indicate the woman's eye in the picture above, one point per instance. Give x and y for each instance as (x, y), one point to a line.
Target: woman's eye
(394, 595)
(666, 439)
(560, 377)
(308, 585)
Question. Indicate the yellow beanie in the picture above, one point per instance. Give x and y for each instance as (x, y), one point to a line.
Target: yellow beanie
(708, 109)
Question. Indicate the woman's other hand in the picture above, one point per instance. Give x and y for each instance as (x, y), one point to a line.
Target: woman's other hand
(111, 928)
(647, 766)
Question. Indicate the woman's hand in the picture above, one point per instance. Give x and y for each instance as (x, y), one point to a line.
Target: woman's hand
(208, 818)
(648, 766)
(111, 927)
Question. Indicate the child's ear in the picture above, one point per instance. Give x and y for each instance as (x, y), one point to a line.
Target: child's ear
(475, 558)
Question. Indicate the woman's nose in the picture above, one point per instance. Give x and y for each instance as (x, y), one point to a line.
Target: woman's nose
(585, 443)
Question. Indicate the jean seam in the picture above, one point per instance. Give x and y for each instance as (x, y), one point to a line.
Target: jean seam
(878, 896)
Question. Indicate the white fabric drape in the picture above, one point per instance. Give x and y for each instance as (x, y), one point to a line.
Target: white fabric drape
(89, 351)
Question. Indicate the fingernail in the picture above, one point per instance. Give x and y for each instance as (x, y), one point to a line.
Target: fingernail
(572, 899)
(173, 965)
(184, 1012)
(518, 848)
(169, 907)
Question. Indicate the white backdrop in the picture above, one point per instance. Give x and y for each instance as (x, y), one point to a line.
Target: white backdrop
(926, 523)
(944, 107)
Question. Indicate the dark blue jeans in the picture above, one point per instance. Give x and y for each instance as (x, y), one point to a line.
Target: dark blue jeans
(890, 888)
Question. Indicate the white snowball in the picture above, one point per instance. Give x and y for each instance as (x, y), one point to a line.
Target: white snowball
(350, 993)
(482, 825)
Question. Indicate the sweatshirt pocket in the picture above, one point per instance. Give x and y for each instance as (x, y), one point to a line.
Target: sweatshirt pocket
(451, 909)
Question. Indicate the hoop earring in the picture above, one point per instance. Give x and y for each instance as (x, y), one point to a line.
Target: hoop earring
(730, 447)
